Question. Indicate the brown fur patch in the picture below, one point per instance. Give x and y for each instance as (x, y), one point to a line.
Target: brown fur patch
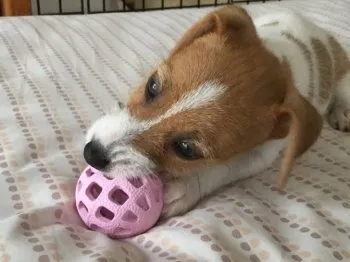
(324, 68)
(227, 31)
(341, 60)
(308, 58)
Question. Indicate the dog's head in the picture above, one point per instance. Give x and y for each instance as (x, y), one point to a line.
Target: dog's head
(219, 93)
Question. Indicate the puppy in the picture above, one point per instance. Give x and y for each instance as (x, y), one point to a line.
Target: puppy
(231, 96)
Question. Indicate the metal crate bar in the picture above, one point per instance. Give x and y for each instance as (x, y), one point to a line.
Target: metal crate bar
(104, 5)
(60, 10)
(38, 6)
(181, 5)
(127, 7)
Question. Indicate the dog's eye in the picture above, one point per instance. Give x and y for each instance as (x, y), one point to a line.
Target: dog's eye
(185, 149)
(152, 88)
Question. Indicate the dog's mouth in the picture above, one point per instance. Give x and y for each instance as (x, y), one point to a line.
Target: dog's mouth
(102, 160)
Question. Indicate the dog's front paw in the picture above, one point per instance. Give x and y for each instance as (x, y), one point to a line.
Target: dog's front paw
(179, 197)
(339, 118)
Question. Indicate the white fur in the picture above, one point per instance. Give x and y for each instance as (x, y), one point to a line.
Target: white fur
(205, 94)
(343, 91)
(340, 114)
(278, 43)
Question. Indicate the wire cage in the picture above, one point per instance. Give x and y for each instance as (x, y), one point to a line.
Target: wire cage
(66, 7)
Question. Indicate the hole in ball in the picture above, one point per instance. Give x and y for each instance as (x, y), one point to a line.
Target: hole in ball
(105, 214)
(108, 177)
(142, 202)
(118, 196)
(136, 182)
(119, 230)
(89, 172)
(80, 185)
(156, 195)
(129, 216)
(94, 227)
(82, 208)
(93, 191)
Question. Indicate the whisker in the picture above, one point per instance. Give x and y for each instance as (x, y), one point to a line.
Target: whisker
(118, 153)
(123, 162)
(113, 148)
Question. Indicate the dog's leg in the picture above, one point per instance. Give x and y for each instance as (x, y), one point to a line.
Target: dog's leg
(183, 194)
(180, 196)
(339, 113)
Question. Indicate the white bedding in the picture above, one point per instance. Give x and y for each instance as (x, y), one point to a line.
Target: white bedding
(58, 74)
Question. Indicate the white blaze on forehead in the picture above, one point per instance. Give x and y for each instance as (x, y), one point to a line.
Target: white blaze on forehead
(120, 128)
(205, 94)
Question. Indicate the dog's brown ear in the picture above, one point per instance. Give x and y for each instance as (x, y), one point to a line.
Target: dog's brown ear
(228, 20)
(300, 121)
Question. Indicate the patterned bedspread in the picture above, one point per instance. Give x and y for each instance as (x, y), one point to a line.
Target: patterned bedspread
(58, 74)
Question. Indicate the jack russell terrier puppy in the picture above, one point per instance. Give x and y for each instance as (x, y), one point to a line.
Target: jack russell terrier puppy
(231, 96)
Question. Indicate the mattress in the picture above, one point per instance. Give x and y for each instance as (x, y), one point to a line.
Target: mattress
(58, 74)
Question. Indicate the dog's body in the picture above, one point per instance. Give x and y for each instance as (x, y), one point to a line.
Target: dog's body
(317, 63)
(297, 69)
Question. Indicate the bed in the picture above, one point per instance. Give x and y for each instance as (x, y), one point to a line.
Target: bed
(59, 73)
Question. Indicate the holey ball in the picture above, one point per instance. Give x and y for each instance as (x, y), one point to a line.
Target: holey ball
(118, 207)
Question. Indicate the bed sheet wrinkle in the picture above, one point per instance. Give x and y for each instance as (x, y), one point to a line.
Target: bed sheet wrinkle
(58, 74)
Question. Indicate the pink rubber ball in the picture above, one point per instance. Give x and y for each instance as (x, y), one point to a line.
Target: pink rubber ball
(118, 207)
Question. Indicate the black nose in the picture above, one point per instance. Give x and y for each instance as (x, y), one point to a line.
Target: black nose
(95, 155)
